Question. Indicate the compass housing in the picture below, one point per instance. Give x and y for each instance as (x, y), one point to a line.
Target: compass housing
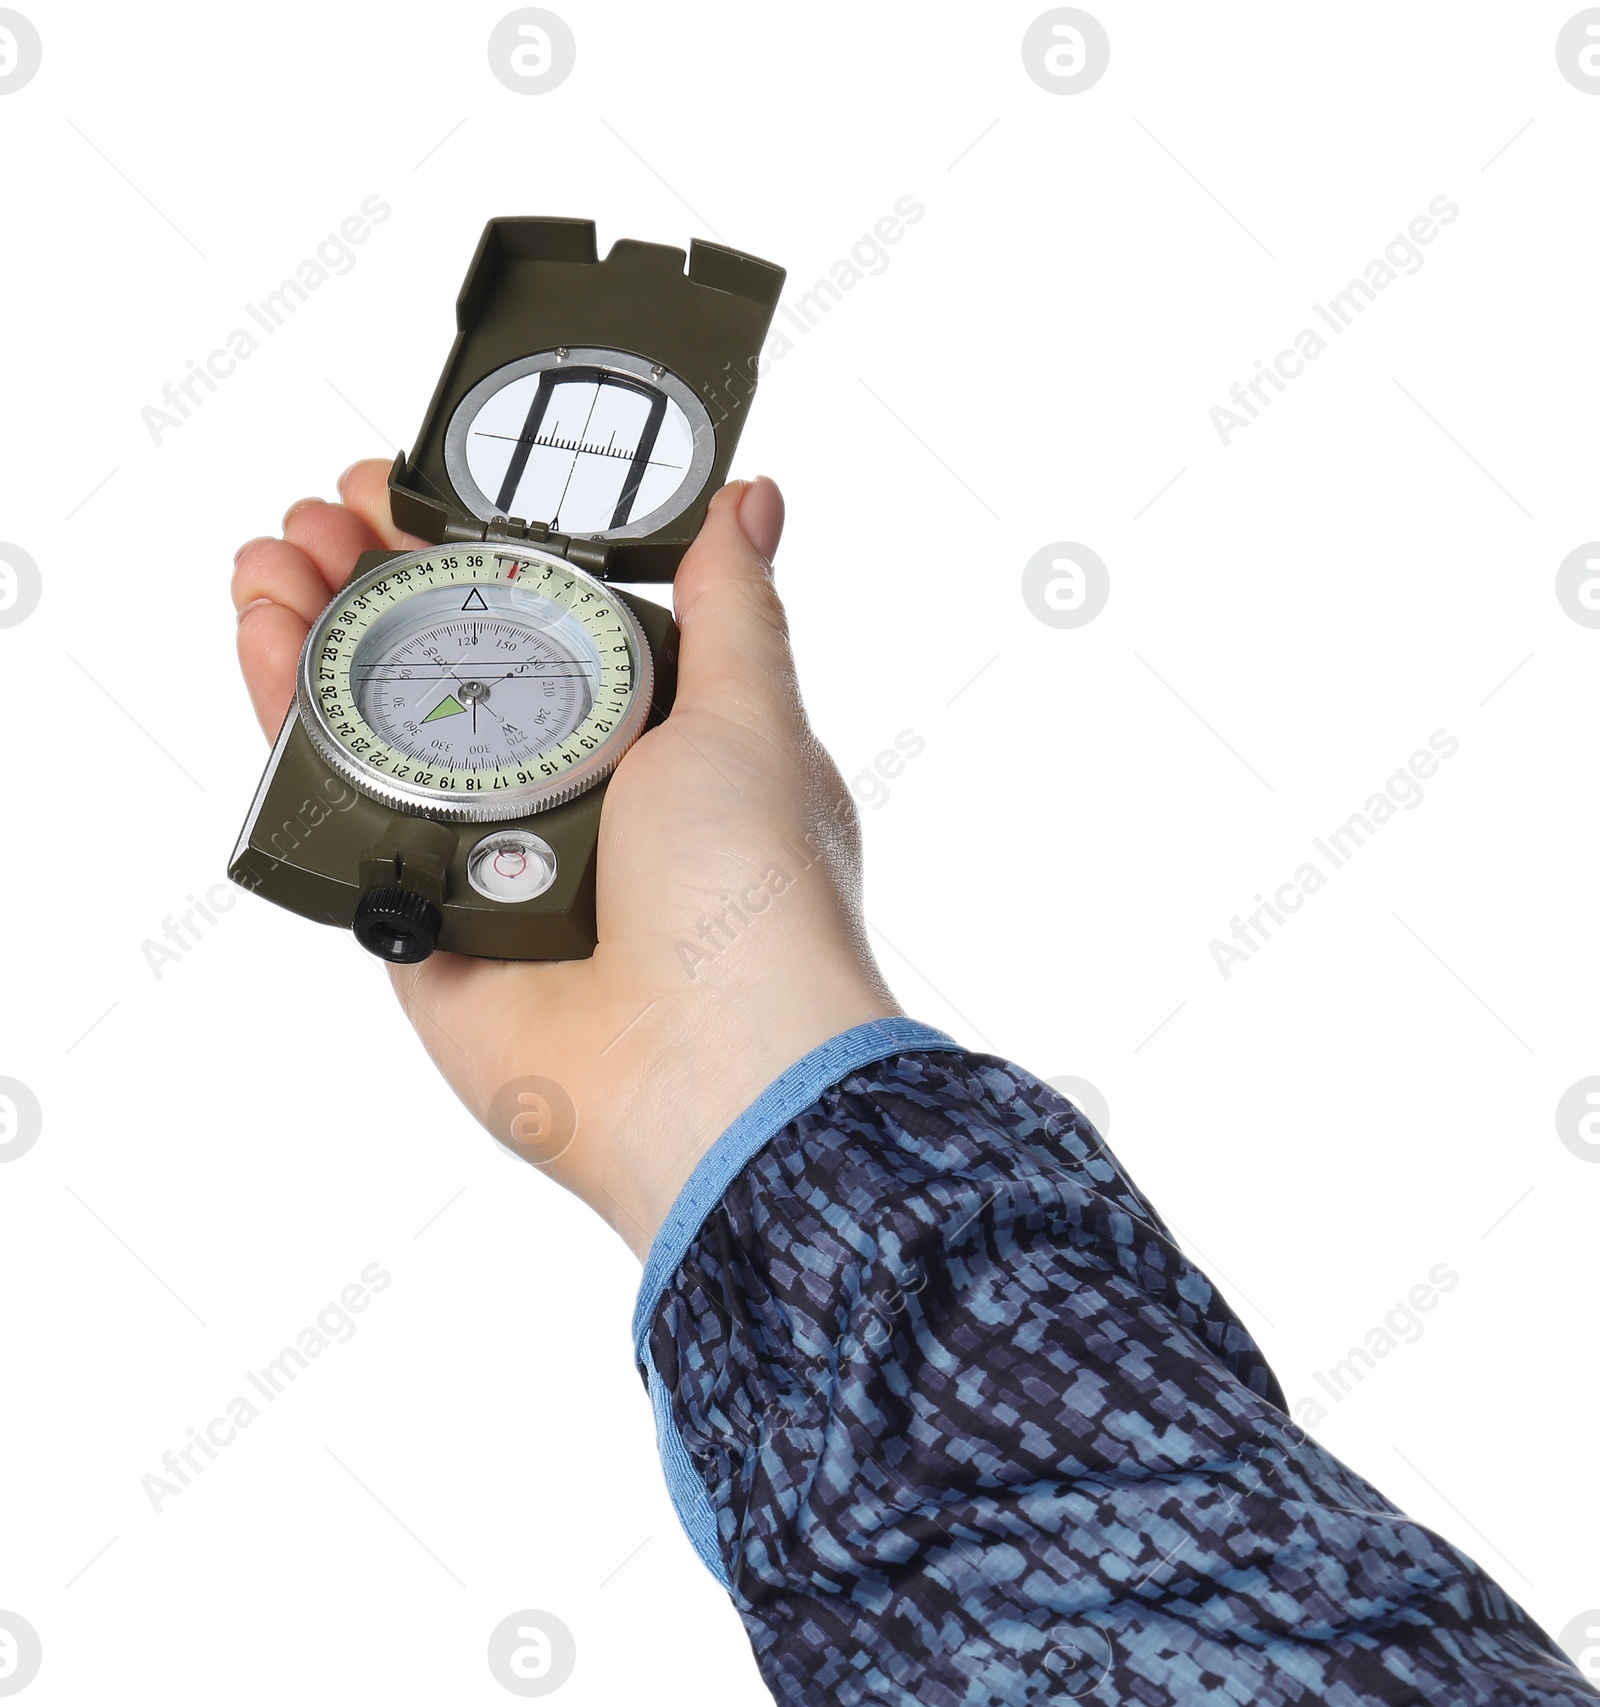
(666, 353)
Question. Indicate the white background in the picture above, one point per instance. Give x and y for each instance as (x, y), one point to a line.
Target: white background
(1292, 617)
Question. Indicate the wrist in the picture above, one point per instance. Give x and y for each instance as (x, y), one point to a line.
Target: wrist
(713, 1071)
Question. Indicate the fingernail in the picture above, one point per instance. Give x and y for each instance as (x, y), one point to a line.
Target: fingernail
(761, 516)
(259, 539)
(255, 604)
(298, 505)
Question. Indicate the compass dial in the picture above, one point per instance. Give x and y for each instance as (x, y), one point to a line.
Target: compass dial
(475, 684)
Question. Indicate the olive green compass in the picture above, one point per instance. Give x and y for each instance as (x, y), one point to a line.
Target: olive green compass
(438, 780)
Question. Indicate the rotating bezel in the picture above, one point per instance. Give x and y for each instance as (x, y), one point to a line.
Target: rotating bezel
(451, 804)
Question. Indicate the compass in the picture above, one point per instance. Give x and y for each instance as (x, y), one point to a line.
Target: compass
(459, 709)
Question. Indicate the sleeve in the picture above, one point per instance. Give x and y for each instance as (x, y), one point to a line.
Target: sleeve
(955, 1422)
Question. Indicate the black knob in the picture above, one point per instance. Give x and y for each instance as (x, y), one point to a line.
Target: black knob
(396, 925)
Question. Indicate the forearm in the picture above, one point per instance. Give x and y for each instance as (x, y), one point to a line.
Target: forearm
(957, 1422)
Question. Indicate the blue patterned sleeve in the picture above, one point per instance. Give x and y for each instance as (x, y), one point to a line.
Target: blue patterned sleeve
(947, 1411)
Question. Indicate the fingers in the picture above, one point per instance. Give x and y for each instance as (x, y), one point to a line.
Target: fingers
(734, 656)
(332, 536)
(276, 570)
(364, 488)
(278, 591)
(281, 585)
(270, 638)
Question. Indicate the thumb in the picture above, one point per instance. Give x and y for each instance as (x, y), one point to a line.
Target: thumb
(734, 654)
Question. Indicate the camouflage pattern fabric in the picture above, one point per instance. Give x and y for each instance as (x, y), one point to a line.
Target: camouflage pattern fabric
(972, 1430)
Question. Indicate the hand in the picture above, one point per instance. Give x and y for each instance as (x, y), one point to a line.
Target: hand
(729, 811)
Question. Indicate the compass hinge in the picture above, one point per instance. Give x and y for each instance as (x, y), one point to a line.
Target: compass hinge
(461, 530)
(590, 554)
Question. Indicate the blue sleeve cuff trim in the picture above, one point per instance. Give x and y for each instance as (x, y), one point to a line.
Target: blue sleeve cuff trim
(685, 1486)
(790, 1094)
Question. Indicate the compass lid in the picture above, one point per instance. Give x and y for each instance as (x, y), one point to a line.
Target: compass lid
(591, 405)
